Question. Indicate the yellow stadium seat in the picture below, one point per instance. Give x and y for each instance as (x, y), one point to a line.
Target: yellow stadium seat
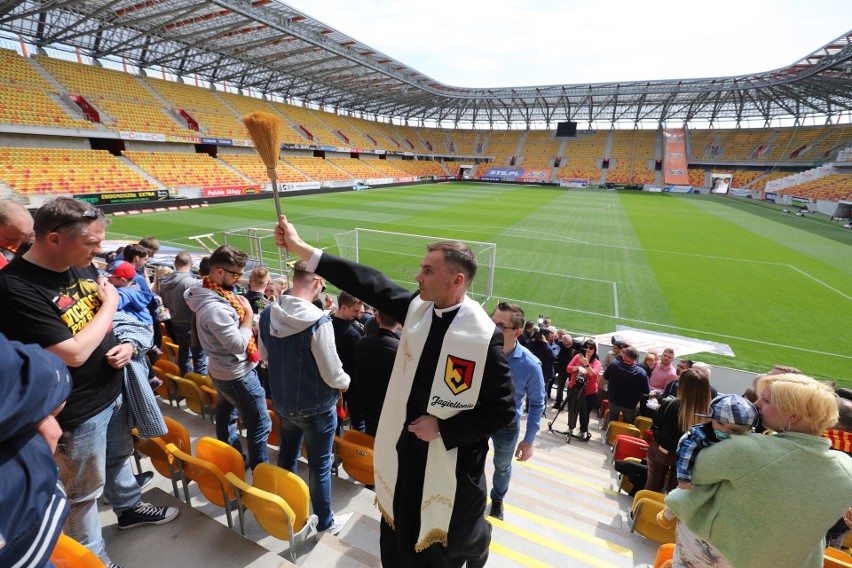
(195, 399)
(643, 517)
(355, 451)
(280, 502)
(156, 449)
(68, 553)
(212, 460)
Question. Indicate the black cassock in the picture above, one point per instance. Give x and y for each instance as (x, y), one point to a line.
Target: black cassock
(469, 533)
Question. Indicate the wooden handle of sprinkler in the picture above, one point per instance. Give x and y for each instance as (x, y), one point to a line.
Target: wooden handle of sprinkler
(273, 177)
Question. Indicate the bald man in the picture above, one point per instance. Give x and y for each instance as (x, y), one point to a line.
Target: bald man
(16, 228)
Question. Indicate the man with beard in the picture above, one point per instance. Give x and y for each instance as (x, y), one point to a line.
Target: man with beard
(224, 325)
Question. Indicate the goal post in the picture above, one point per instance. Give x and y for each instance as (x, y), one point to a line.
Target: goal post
(398, 255)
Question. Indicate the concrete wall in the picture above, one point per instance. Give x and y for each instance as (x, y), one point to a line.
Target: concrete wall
(14, 140)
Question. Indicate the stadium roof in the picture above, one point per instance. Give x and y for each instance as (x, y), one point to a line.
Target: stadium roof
(273, 48)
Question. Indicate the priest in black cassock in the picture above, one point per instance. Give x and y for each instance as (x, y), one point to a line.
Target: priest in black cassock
(450, 389)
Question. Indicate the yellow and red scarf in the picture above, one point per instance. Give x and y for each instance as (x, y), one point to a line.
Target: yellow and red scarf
(840, 440)
(251, 349)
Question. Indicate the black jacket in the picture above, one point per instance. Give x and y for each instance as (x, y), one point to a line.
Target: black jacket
(373, 359)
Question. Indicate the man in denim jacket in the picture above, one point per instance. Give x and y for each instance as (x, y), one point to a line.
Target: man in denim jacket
(305, 380)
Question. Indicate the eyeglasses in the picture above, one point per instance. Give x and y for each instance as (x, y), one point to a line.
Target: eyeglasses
(501, 327)
(88, 214)
(236, 275)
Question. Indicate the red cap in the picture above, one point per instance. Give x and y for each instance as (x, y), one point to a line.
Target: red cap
(124, 270)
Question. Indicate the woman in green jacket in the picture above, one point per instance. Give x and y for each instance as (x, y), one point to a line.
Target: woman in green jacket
(760, 501)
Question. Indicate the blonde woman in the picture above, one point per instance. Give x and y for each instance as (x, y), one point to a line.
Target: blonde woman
(790, 486)
(672, 419)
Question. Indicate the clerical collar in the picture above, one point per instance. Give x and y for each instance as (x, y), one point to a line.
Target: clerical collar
(441, 311)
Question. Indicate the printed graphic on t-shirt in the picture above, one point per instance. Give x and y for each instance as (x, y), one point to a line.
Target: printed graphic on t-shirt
(78, 304)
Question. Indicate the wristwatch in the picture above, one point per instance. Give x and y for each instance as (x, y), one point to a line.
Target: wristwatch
(135, 351)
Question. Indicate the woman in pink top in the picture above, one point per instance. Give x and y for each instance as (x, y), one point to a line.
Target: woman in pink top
(663, 372)
(587, 364)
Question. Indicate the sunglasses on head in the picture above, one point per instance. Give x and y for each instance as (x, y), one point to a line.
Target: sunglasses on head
(89, 214)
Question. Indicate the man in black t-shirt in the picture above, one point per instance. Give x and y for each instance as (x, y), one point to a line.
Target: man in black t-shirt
(54, 297)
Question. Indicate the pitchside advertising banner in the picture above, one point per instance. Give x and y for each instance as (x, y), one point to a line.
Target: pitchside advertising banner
(123, 197)
(675, 163)
(536, 175)
(231, 190)
(517, 174)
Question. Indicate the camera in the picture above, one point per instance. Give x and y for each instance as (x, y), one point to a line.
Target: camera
(581, 378)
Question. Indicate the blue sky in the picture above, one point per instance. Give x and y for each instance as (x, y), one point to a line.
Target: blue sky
(501, 43)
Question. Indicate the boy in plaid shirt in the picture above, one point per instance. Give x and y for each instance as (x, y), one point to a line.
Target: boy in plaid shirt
(730, 415)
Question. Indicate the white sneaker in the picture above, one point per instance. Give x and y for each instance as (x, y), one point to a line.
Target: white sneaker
(337, 524)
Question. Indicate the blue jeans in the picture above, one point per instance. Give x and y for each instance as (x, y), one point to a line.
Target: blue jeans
(94, 459)
(246, 397)
(318, 432)
(505, 441)
(183, 336)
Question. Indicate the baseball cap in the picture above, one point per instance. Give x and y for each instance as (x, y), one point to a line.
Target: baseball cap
(733, 409)
(124, 270)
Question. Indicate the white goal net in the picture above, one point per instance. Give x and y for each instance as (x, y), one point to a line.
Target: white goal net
(398, 255)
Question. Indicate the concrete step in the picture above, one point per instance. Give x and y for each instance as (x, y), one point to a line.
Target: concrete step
(192, 539)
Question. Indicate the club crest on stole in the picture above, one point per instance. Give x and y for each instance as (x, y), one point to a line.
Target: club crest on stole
(459, 374)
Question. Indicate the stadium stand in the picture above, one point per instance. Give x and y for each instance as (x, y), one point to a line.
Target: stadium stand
(540, 147)
(342, 128)
(744, 177)
(355, 168)
(410, 137)
(465, 142)
(317, 168)
(311, 127)
(387, 168)
(251, 166)
(214, 117)
(420, 167)
(125, 102)
(482, 168)
(704, 144)
(26, 98)
(832, 187)
(246, 105)
(760, 185)
(696, 177)
(46, 170)
(184, 170)
(503, 144)
(624, 170)
(579, 168)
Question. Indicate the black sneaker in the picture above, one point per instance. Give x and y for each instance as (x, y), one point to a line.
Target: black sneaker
(496, 509)
(113, 565)
(146, 514)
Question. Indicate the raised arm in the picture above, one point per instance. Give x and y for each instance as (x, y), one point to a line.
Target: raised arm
(364, 282)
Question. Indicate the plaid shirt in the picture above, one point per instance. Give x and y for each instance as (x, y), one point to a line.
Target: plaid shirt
(693, 441)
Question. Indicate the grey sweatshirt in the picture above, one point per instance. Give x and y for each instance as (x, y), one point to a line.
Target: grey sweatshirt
(220, 334)
(290, 315)
(172, 288)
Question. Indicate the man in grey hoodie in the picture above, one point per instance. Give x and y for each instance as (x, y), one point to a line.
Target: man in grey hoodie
(224, 321)
(172, 288)
(305, 380)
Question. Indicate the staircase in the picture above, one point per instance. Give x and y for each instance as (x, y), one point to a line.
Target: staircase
(60, 97)
(237, 172)
(167, 107)
(130, 164)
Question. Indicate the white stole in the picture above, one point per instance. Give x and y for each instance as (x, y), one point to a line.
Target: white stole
(455, 388)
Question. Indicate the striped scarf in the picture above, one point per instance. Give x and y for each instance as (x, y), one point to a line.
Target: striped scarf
(840, 440)
(251, 349)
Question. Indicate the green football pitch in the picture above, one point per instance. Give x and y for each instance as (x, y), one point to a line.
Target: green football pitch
(777, 288)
